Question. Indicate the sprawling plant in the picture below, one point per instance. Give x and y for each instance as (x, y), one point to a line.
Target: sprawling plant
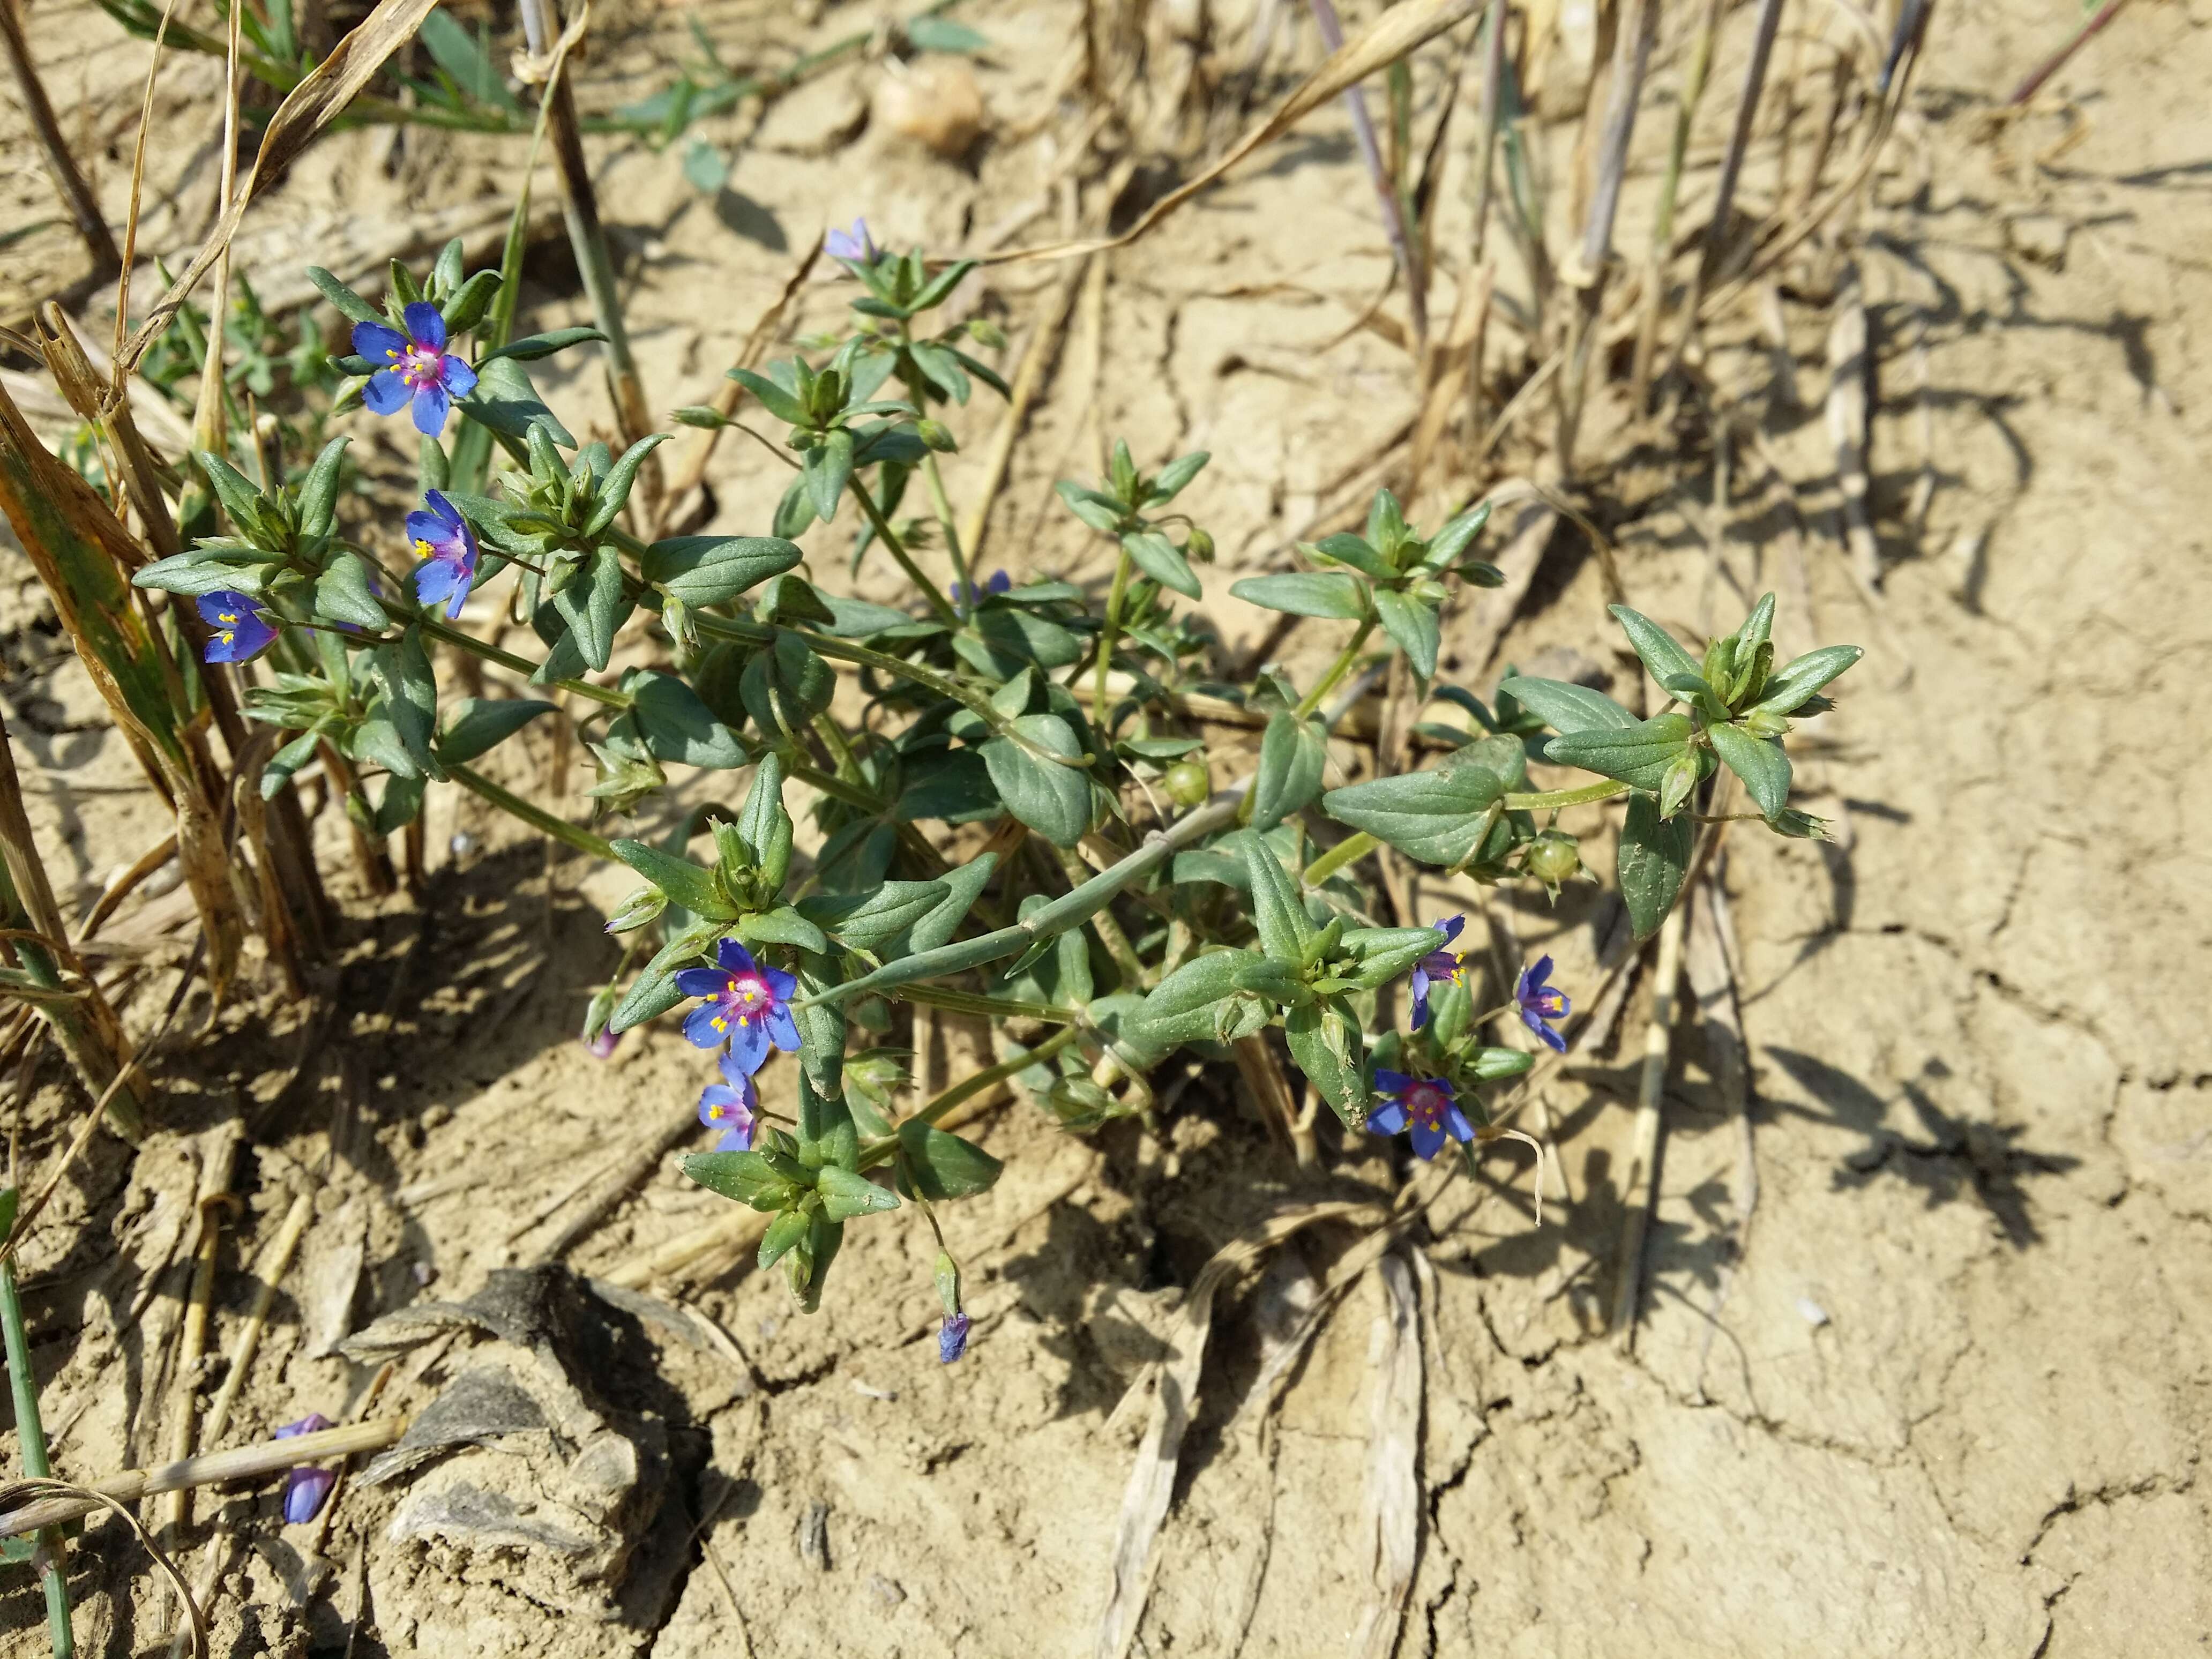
(1109, 892)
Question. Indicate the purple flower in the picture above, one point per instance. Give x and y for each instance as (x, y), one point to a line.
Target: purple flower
(730, 1106)
(968, 596)
(241, 632)
(602, 1047)
(307, 1486)
(1539, 1002)
(420, 368)
(1423, 1105)
(952, 1337)
(748, 1007)
(854, 244)
(1437, 966)
(447, 548)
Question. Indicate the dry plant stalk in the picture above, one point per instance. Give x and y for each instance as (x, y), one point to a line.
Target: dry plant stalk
(192, 1342)
(268, 1272)
(83, 205)
(1392, 1518)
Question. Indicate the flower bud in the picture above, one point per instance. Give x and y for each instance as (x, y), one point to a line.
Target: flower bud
(1765, 723)
(947, 1273)
(936, 435)
(1682, 774)
(637, 909)
(1553, 857)
(1200, 546)
(1189, 783)
(984, 332)
(702, 416)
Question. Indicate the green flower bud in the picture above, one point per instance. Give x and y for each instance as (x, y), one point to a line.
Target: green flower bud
(1682, 776)
(1200, 546)
(636, 910)
(701, 415)
(1765, 723)
(1553, 857)
(947, 1275)
(1798, 826)
(1189, 783)
(983, 332)
(936, 435)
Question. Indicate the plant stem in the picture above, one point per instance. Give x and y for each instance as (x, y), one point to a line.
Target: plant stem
(939, 603)
(876, 1152)
(991, 1008)
(1350, 850)
(31, 1434)
(1337, 671)
(569, 835)
(508, 660)
(1604, 790)
(1109, 930)
(1116, 597)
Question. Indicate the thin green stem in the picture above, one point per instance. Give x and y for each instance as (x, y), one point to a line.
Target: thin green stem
(941, 504)
(506, 659)
(1337, 671)
(31, 1434)
(1349, 850)
(878, 1151)
(990, 1008)
(1603, 790)
(1109, 930)
(1116, 596)
(561, 829)
(837, 789)
(896, 548)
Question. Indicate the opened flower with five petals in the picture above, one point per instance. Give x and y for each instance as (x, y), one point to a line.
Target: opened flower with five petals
(1445, 966)
(731, 1106)
(414, 366)
(1539, 1003)
(447, 547)
(748, 1007)
(241, 632)
(1422, 1107)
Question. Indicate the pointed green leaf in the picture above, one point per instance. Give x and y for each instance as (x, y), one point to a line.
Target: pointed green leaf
(1053, 799)
(475, 725)
(1413, 624)
(1760, 764)
(1661, 654)
(1638, 755)
(1277, 913)
(1438, 817)
(1654, 857)
(1307, 594)
(943, 1166)
(1293, 754)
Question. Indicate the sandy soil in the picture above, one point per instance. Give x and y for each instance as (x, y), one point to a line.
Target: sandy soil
(1925, 1359)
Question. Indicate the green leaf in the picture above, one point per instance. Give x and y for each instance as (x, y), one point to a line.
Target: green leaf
(1175, 475)
(963, 884)
(1324, 1041)
(1384, 953)
(779, 402)
(820, 1053)
(677, 726)
(764, 827)
(1803, 676)
(1761, 764)
(1158, 557)
(614, 488)
(686, 883)
(1215, 998)
(704, 570)
(397, 806)
(1661, 654)
(467, 306)
(507, 402)
(457, 51)
(1344, 548)
(318, 495)
(1307, 594)
(595, 605)
(844, 1194)
(927, 34)
(783, 1237)
(706, 167)
(1414, 625)
(1567, 708)
(531, 347)
(1102, 513)
(1053, 799)
(376, 741)
(410, 694)
(1501, 752)
(1639, 756)
(828, 466)
(1449, 543)
(1438, 817)
(1293, 754)
(748, 1177)
(349, 304)
(475, 725)
(1654, 857)
(943, 1166)
(654, 992)
(240, 498)
(192, 574)
(342, 594)
(941, 364)
(865, 921)
(783, 926)
(1277, 913)
(933, 292)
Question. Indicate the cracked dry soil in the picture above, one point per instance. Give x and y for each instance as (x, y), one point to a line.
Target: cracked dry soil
(1925, 1363)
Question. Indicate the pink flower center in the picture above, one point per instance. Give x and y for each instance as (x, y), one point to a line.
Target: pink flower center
(420, 366)
(748, 995)
(1425, 1104)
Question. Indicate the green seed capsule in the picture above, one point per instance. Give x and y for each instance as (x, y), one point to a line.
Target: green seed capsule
(1189, 783)
(1553, 857)
(936, 435)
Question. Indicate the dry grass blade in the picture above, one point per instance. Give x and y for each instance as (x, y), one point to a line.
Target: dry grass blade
(1174, 1383)
(1401, 29)
(83, 206)
(215, 1196)
(268, 1272)
(1456, 363)
(72, 1502)
(138, 180)
(329, 88)
(1392, 1518)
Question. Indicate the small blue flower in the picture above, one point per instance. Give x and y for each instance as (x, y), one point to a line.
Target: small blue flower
(1424, 1106)
(307, 1486)
(1438, 967)
(730, 1106)
(748, 1007)
(241, 632)
(447, 547)
(602, 1047)
(952, 1337)
(420, 368)
(967, 596)
(854, 244)
(1539, 1002)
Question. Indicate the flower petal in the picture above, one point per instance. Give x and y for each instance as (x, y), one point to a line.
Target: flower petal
(1388, 1120)
(702, 982)
(706, 1027)
(305, 1490)
(782, 1028)
(385, 392)
(781, 985)
(430, 406)
(1456, 1126)
(426, 324)
(1426, 1140)
(435, 579)
(749, 1045)
(733, 955)
(431, 531)
(379, 344)
(715, 1103)
(1541, 972)
(735, 1140)
(1391, 1083)
(1550, 1038)
(459, 378)
(1449, 926)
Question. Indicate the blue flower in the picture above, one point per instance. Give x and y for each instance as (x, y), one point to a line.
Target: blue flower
(1424, 1106)
(1437, 967)
(952, 1337)
(730, 1106)
(1539, 1002)
(854, 244)
(420, 368)
(447, 547)
(968, 596)
(307, 1486)
(748, 1007)
(241, 632)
